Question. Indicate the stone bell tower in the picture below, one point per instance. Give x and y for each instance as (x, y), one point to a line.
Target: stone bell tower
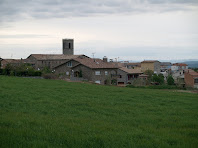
(68, 46)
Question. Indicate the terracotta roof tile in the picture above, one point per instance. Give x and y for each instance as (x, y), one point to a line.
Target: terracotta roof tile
(192, 72)
(180, 64)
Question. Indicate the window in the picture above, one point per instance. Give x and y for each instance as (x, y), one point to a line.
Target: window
(196, 80)
(69, 45)
(120, 76)
(98, 81)
(106, 73)
(97, 72)
(69, 64)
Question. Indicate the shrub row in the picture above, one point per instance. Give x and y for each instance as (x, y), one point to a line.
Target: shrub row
(20, 73)
(156, 87)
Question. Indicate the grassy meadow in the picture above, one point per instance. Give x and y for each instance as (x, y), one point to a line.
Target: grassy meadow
(55, 113)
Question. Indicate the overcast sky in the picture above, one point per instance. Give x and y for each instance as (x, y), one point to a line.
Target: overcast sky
(128, 29)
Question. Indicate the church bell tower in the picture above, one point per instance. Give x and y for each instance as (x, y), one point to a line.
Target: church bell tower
(68, 46)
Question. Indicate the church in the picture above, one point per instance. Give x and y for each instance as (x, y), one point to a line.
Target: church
(40, 61)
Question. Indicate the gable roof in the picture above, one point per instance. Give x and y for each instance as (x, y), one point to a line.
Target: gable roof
(131, 71)
(95, 63)
(91, 63)
(13, 61)
(192, 72)
(55, 56)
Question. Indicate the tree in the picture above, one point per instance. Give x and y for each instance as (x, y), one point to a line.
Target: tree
(149, 73)
(158, 78)
(8, 69)
(170, 80)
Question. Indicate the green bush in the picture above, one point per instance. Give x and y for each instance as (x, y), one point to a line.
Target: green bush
(170, 80)
(37, 73)
(21, 70)
(149, 73)
(158, 78)
(1, 71)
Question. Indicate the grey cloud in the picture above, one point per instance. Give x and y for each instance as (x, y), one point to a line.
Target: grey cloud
(23, 36)
(11, 10)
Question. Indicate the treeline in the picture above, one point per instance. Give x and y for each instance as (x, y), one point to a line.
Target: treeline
(158, 79)
(20, 70)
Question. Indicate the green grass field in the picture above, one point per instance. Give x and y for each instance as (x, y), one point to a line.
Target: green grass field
(54, 113)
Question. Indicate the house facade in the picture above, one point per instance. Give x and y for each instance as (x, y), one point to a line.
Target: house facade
(179, 66)
(191, 78)
(94, 70)
(13, 62)
(151, 65)
(177, 72)
(127, 76)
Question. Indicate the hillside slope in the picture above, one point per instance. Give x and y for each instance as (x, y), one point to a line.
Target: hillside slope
(53, 113)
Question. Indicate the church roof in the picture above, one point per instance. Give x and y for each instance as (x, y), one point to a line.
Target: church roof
(54, 56)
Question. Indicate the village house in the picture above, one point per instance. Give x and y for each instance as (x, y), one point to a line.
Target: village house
(165, 66)
(94, 70)
(191, 78)
(127, 76)
(179, 67)
(151, 65)
(13, 62)
(177, 72)
(165, 69)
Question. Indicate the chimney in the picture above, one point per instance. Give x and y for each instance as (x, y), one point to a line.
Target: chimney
(105, 59)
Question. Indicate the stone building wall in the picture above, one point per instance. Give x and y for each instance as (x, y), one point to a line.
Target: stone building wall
(111, 74)
(122, 77)
(65, 69)
(90, 74)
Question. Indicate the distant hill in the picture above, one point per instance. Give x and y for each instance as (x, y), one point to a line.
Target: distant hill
(192, 64)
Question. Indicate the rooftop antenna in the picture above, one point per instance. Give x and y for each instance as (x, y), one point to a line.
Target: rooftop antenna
(11, 56)
(93, 54)
(118, 59)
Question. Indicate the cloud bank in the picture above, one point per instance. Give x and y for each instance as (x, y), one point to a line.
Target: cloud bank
(13, 10)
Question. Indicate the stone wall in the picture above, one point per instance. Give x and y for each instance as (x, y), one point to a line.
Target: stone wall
(65, 69)
(122, 77)
(91, 74)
